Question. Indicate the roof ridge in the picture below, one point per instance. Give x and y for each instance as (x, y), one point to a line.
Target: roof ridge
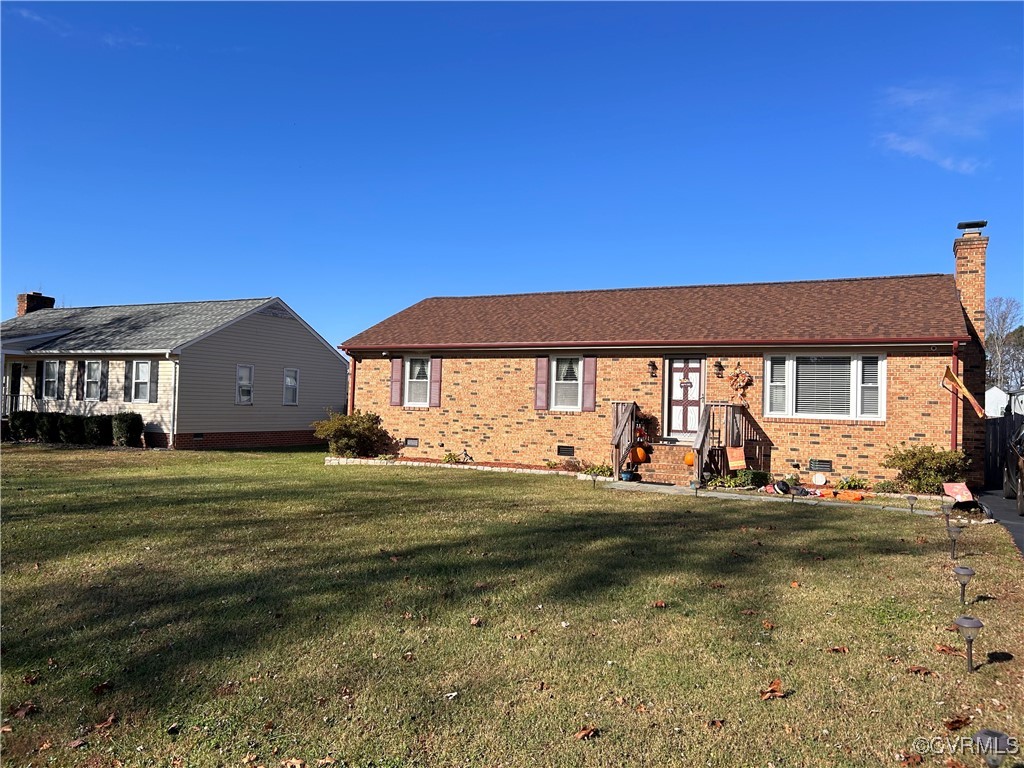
(699, 285)
(161, 304)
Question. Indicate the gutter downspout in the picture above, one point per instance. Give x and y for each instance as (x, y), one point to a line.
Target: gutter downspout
(351, 404)
(954, 365)
(174, 404)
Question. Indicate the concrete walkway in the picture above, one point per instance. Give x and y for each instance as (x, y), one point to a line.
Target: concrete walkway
(1005, 511)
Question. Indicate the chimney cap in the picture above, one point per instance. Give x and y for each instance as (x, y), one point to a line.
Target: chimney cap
(972, 224)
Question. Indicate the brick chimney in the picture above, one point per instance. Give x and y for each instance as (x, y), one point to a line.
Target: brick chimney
(30, 302)
(969, 253)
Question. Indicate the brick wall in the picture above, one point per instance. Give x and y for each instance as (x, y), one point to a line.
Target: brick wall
(241, 440)
(487, 409)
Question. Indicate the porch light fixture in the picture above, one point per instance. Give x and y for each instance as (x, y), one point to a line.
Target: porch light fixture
(994, 746)
(969, 628)
(954, 532)
(719, 369)
(963, 575)
(911, 500)
(652, 368)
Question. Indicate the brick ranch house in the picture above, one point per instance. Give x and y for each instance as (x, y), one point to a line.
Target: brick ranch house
(240, 373)
(840, 371)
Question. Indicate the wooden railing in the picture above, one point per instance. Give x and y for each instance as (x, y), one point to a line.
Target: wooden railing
(13, 403)
(623, 433)
(728, 425)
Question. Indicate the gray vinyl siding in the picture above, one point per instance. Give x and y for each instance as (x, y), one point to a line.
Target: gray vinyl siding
(156, 416)
(206, 378)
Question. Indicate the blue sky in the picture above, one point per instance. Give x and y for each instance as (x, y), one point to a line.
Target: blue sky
(354, 158)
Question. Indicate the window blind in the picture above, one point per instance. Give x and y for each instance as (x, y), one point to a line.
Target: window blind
(823, 385)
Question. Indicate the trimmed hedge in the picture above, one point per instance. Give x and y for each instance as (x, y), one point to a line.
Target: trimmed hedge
(23, 425)
(128, 428)
(48, 427)
(359, 434)
(72, 429)
(99, 430)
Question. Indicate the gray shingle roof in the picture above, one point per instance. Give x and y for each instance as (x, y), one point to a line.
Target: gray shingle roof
(125, 327)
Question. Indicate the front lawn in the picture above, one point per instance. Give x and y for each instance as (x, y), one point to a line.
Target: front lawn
(194, 609)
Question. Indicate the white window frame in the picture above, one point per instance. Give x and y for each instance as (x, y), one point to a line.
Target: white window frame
(578, 405)
(140, 383)
(857, 387)
(407, 390)
(47, 379)
(251, 384)
(96, 381)
(286, 388)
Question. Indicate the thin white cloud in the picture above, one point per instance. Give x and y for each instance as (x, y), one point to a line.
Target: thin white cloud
(943, 125)
(52, 23)
(112, 40)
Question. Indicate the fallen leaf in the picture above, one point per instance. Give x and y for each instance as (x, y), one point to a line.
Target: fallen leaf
(767, 624)
(658, 603)
(326, 761)
(641, 708)
(837, 649)
(249, 759)
(268, 726)
(952, 628)
(893, 659)
(950, 650)
(409, 656)
(773, 691)
(111, 719)
(32, 678)
(407, 615)
(77, 743)
(748, 612)
(957, 722)
(909, 758)
(922, 671)
(45, 746)
(952, 762)
(5, 729)
(103, 687)
(475, 621)
(586, 733)
(174, 729)
(23, 710)
(716, 585)
(921, 540)
(293, 762)
(394, 558)
(716, 724)
(794, 584)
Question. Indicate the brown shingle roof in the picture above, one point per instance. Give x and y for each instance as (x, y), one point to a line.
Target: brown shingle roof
(915, 308)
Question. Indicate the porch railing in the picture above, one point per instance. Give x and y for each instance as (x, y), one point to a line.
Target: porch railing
(729, 425)
(623, 433)
(13, 403)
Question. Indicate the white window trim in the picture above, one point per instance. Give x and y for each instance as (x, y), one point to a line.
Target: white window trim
(579, 383)
(408, 403)
(856, 387)
(98, 379)
(252, 384)
(136, 379)
(55, 379)
(285, 387)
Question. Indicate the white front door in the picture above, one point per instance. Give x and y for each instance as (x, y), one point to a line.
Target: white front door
(685, 397)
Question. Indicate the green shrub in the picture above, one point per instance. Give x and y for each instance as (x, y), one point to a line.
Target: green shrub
(23, 425)
(600, 470)
(753, 477)
(454, 458)
(48, 427)
(851, 484)
(127, 429)
(72, 429)
(886, 486)
(99, 430)
(356, 435)
(923, 469)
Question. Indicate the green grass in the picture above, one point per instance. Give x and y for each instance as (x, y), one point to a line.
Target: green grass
(268, 606)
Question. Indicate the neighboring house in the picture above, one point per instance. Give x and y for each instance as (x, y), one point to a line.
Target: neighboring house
(203, 374)
(842, 371)
(995, 402)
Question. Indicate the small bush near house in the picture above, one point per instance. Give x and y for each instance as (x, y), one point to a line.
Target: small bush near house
(99, 430)
(127, 429)
(355, 435)
(851, 484)
(48, 427)
(600, 470)
(753, 477)
(23, 425)
(72, 429)
(923, 469)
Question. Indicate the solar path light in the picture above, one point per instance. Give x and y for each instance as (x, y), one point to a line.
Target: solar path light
(963, 575)
(954, 532)
(993, 745)
(969, 628)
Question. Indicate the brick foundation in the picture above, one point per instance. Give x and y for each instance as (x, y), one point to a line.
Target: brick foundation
(242, 440)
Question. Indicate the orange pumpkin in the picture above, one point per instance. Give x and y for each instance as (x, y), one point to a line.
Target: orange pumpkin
(637, 455)
(689, 458)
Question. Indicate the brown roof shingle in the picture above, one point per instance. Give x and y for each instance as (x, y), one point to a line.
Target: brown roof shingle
(914, 308)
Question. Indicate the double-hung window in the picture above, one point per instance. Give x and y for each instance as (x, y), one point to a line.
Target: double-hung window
(92, 380)
(417, 382)
(825, 386)
(566, 389)
(291, 386)
(140, 381)
(50, 373)
(244, 375)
